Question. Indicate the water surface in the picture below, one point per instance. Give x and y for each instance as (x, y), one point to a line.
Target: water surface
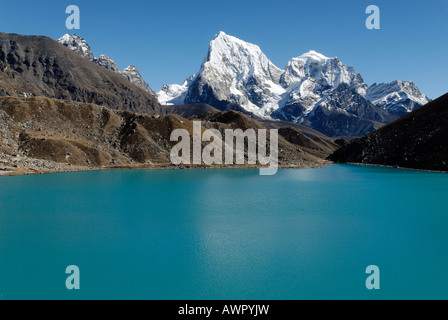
(225, 234)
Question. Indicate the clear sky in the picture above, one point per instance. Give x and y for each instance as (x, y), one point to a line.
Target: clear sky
(168, 39)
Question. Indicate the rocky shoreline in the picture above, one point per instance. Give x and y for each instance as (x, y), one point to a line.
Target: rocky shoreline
(8, 170)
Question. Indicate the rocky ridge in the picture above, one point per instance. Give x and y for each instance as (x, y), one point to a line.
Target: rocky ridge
(80, 46)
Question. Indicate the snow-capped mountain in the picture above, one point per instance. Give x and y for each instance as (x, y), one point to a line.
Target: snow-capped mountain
(238, 75)
(311, 77)
(238, 72)
(174, 94)
(233, 72)
(315, 72)
(79, 45)
(399, 97)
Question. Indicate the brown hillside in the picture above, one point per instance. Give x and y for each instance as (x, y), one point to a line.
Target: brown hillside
(39, 134)
(40, 66)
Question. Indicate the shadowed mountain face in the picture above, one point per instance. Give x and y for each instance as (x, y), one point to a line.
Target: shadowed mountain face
(345, 113)
(189, 110)
(418, 140)
(40, 66)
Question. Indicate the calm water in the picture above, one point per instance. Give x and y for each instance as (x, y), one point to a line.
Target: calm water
(225, 234)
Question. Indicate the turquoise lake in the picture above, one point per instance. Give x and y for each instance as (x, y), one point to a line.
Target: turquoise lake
(225, 234)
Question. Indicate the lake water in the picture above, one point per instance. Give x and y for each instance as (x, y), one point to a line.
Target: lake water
(225, 234)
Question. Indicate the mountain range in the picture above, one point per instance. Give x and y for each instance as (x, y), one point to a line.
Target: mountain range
(314, 90)
(63, 109)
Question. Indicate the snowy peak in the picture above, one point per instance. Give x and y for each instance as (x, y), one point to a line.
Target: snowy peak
(313, 55)
(131, 70)
(77, 44)
(132, 74)
(318, 73)
(234, 57)
(309, 79)
(379, 91)
(397, 96)
(238, 73)
(174, 94)
(106, 62)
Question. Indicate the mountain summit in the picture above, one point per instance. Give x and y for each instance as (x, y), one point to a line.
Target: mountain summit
(400, 97)
(313, 89)
(79, 45)
(237, 72)
(311, 77)
(233, 75)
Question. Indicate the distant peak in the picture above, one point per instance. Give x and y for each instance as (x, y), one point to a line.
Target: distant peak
(314, 55)
(68, 37)
(227, 49)
(223, 41)
(220, 34)
(224, 37)
(77, 44)
(403, 82)
(400, 83)
(129, 68)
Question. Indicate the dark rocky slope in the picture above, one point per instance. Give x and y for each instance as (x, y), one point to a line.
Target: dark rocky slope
(419, 140)
(346, 113)
(189, 110)
(40, 66)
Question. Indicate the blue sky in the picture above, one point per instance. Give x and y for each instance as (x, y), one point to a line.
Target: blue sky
(167, 40)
